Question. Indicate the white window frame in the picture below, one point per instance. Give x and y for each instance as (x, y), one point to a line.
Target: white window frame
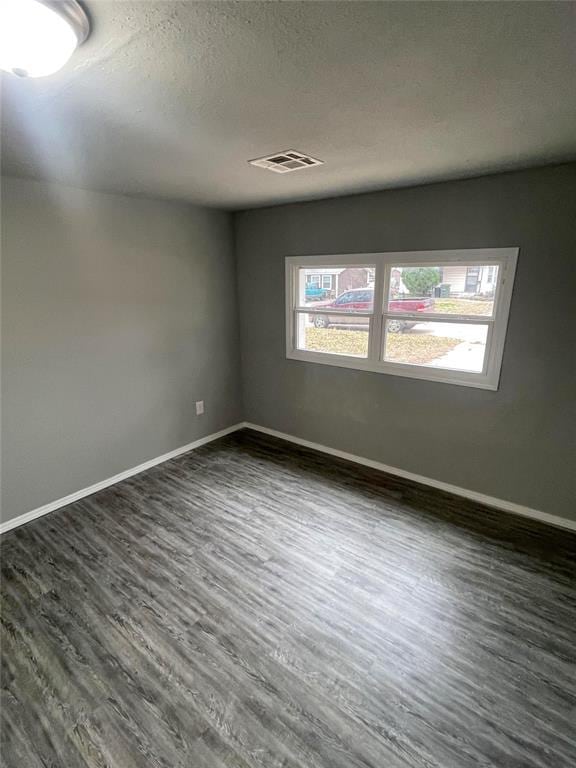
(504, 258)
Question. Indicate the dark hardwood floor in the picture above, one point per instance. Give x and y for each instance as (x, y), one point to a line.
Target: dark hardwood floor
(253, 604)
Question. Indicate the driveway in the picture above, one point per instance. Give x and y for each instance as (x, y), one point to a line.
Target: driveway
(467, 356)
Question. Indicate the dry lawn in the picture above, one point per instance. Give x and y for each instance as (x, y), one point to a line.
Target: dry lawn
(401, 347)
(463, 307)
(405, 348)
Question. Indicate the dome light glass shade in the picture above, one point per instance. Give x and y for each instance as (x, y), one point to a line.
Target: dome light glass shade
(37, 38)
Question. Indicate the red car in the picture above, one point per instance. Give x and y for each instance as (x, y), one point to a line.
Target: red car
(362, 300)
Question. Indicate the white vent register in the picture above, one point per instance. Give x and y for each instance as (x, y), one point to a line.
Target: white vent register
(284, 162)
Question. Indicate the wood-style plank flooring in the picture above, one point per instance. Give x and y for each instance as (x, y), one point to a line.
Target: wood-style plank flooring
(256, 605)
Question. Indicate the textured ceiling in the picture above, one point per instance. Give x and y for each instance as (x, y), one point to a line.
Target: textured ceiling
(170, 99)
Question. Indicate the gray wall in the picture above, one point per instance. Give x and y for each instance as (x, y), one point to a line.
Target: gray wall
(118, 314)
(516, 443)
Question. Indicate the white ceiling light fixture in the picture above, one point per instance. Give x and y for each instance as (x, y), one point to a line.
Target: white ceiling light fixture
(284, 162)
(37, 37)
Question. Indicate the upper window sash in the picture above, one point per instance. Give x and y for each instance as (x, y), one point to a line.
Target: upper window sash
(295, 263)
(443, 260)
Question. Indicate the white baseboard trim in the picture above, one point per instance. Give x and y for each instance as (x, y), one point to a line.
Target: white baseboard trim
(15, 522)
(489, 501)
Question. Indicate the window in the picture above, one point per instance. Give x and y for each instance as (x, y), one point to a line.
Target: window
(437, 315)
(327, 282)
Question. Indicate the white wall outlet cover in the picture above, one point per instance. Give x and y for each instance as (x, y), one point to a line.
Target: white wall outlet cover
(199, 407)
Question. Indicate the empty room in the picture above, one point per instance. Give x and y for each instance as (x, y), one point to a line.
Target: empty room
(288, 384)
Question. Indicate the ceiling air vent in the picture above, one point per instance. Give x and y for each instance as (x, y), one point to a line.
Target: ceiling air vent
(284, 162)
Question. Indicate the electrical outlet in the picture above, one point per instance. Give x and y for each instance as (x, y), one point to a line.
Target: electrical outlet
(199, 407)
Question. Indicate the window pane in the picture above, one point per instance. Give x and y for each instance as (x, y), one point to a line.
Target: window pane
(344, 288)
(317, 333)
(451, 289)
(456, 346)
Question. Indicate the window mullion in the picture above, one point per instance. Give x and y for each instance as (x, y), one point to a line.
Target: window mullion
(336, 312)
(377, 324)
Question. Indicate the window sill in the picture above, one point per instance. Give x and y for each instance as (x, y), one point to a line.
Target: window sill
(441, 375)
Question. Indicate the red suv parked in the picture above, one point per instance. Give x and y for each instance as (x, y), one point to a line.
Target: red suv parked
(362, 300)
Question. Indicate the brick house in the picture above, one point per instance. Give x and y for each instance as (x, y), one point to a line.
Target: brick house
(336, 281)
